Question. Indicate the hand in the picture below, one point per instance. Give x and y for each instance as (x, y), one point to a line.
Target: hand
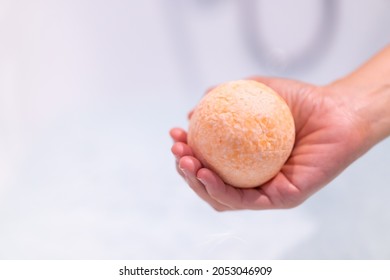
(329, 137)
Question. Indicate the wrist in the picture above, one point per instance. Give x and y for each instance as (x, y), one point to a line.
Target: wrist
(368, 104)
(375, 110)
(366, 93)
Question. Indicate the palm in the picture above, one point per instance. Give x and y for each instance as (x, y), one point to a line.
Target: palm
(323, 145)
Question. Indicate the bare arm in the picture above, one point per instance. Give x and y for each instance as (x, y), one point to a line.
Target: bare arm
(367, 90)
(335, 124)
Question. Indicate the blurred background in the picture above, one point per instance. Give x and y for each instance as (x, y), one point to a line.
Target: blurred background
(88, 93)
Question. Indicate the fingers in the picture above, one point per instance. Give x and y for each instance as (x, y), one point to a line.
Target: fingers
(190, 167)
(178, 135)
(234, 198)
(262, 79)
(180, 149)
(208, 185)
(218, 190)
(187, 166)
(277, 84)
(287, 88)
(190, 114)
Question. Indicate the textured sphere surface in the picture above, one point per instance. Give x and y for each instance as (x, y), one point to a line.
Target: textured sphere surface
(243, 131)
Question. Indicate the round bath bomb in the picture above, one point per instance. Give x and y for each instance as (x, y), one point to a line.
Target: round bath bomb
(243, 131)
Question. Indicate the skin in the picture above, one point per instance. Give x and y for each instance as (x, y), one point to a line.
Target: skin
(335, 125)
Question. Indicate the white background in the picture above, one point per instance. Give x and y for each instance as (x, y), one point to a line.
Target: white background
(88, 92)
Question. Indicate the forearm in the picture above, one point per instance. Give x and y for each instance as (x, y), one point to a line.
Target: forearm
(372, 74)
(367, 92)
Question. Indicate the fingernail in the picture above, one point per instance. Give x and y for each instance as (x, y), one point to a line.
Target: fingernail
(183, 170)
(201, 180)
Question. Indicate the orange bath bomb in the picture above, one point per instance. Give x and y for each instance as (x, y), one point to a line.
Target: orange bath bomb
(243, 131)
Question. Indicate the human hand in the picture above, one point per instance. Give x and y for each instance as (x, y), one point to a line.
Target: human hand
(329, 137)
